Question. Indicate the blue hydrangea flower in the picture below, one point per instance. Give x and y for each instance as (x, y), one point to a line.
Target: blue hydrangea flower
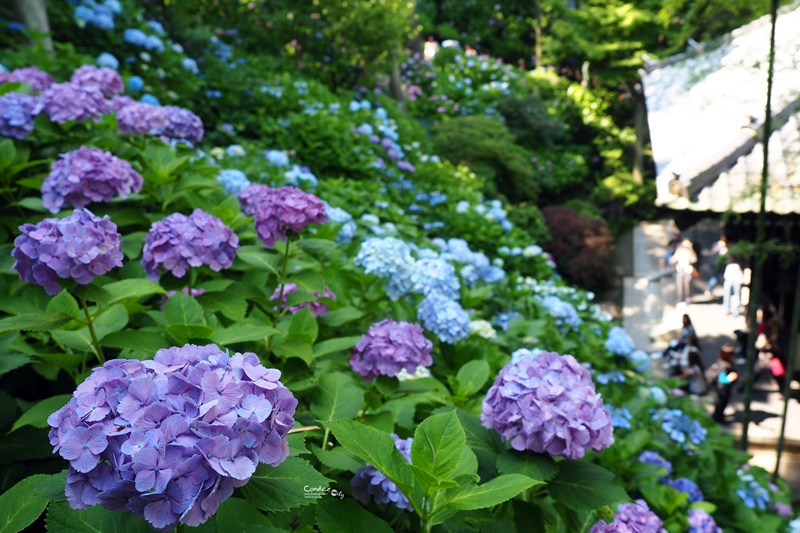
(702, 522)
(190, 64)
(614, 376)
(503, 319)
(235, 150)
(107, 60)
(564, 312)
(640, 360)
(277, 158)
(681, 428)
(444, 317)
(135, 84)
(688, 486)
(155, 26)
(752, 494)
(390, 258)
(233, 180)
(154, 43)
(435, 275)
(17, 114)
(134, 36)
(619, 342)
(298, 174)
(150, 99)
(653, 458)
(370, 483)
(341, 217)
(620, 417)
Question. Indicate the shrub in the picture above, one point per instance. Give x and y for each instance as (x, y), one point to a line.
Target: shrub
(529, 217)
(534, 124)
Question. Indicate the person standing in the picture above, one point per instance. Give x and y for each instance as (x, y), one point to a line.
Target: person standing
(721, 377)
(714, 257)
(684, 260)
(732, 287)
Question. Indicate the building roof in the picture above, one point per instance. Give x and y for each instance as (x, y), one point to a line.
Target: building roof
(705, 112)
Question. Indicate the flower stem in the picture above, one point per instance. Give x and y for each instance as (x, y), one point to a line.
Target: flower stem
(284, 268)
(98, 351)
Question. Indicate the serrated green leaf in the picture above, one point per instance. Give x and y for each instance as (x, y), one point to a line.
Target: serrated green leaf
(316, 246)
(494, 492)
(52, 487)
(236, 515)
(341, 316)
(20, 506)
(112, 319)
(141, 342)
(63, 519)
(129, 288)
(283, 487)
(303, 327)
(335, 516)
(338, 458)
(293, 348)
(337, 397)
(257, 256)
(64, 303)
(184, 310)
(335, 345)
(12, 361)
(243, 332)
(34, 322)
(229, 303)
(538, 466)
(583, 486)
(183, 333)
(376, 448)
(471, 377)
(309, 281)
(438, 446)
(37, 415)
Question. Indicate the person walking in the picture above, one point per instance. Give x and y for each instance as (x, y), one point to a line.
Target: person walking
(732, 287)
(684, 260)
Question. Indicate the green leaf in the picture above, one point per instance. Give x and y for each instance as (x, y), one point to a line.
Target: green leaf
(335, 516)
(283, 487)
(309, 281)
(52, 487)
(339, 458)
(20, 506)
(34, 322)
(257, 256)
(438, 446)
(303, 327)
(243, 332)
(129, 288)
(64, 303)
(7, 153)
(293, 348)
(335, 345)
(316, 246)
(538, 466)
(37, 415)
(230, 303)
(137, 341)
(341, 316)
(583, 486)
(12, 361)
(338, 397)
(184, 310)
(236, 515)
(183, 334)
(494, 492)
(63, 519)
(376, 448)
(471, 377)
(111, 320)
(25, 444)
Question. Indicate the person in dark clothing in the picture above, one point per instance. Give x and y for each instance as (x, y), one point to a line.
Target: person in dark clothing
(721, 378)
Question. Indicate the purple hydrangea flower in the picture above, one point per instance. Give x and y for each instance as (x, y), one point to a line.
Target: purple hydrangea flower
(17, 114)
(136, 118)
(702, 522)
(317, 308)
(388, 347)
(182, 124)
(118, 102)
(280, 210)
(547, 403)
(632, 518)
(688, 486)
(39, 80)
(169, 439)
(107, 80)
(80, 246)
(371, 483)
(67, 101)
(179, 242)
(88, 175)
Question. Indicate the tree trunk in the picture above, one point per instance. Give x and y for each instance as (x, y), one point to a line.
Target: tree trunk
(33, 13)
(396, 82)
(640, 126)
(537, 30)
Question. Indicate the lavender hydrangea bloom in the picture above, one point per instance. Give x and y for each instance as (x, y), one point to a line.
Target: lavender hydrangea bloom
(317, 308)
(67, 101)
(435, 275)
(232, 180)
(702, 522)
(169, 439)
(632, 518)
(107, 80)
(688, 486)
(389, 347)
(371, 483)
(182, 124)
(88, 175)
(137, 118)
(280, 210)
(179, 242)
(39, 80)
(80, 246)
(548, 403)
(564, 312)
(17, 114)
(619, 342)
(444, 317)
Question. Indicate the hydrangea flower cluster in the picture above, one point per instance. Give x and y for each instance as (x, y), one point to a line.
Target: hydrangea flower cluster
(107, 60)
(137, 37)
(482, 328)
(107, 80)
(278, 211)
(503, 319)
(687, 486)
(317, 308)
(564, 312)
(171, 122)
(169, 439)
(277, 158)
(233, 180)
(390, 258)
(338, 215)
(97, 14)
(80, 246)
(752, 494)
(620, 417)
(17, 114)
(444, 317)
(547, 402)
(88, 175)
(619, 342)
(653, 458)
(632, 517)
(615, 376)
(784, 509)
(38, 80)
(297, 175)
(371, 483)
(389, 347)
(68, 101)
(680, 428)
(435, 276)
(702, 522)
(178, 242)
